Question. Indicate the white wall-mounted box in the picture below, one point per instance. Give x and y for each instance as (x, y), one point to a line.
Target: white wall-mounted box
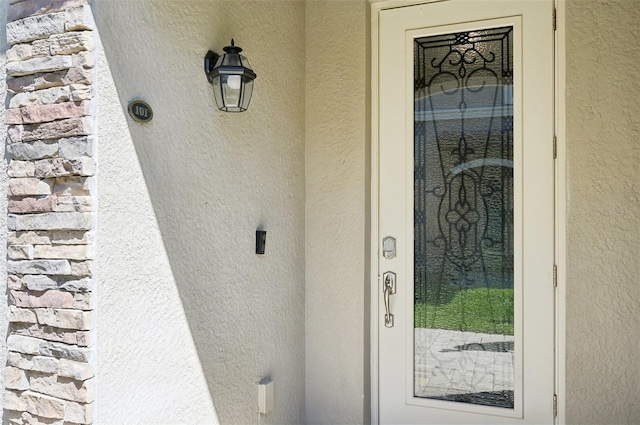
(265, 396)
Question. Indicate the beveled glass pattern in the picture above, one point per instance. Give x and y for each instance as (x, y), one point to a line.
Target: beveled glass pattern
(463, 217)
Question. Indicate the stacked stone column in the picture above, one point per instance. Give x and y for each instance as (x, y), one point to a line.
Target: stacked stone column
(49, 374)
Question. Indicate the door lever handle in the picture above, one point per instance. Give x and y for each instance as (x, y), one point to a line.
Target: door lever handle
(388, 289)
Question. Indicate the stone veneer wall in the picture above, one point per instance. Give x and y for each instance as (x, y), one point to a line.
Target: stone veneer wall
(49, 374)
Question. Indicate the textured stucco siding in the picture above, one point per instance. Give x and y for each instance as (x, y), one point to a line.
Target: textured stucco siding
(148, 368)
(603, 212)
(190, 319)
(336, 211)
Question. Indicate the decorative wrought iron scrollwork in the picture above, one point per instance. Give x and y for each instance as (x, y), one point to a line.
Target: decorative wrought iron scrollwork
(463, 214)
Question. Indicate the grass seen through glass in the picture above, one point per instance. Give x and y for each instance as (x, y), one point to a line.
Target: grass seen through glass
(487, 310)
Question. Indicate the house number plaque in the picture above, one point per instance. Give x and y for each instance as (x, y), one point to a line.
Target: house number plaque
(140, 111)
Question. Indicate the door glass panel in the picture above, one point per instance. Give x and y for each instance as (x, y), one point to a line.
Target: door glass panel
(463, 217)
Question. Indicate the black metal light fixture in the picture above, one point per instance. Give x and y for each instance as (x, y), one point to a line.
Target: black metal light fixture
(232, 78)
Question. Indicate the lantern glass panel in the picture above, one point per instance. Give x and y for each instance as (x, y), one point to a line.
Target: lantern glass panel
(217, 92)
(231, 90)
(231, 59)
(246, 93)
(245, 62)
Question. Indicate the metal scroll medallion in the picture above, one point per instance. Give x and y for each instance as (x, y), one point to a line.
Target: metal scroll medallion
(463, 217)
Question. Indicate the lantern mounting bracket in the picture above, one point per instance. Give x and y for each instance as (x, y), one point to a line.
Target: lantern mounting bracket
(209, 62)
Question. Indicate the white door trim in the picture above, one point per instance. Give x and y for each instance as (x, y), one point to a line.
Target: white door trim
(561, 213)
(373, 280)
(561, 196)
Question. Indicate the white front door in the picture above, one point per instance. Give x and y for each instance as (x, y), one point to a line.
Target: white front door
(465, 213)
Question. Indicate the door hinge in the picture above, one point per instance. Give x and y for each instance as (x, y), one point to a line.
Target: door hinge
(555, 276)
(555, 406)
(555, 147)
(555, 26)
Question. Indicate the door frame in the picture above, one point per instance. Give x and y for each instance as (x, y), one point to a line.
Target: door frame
(376, 6)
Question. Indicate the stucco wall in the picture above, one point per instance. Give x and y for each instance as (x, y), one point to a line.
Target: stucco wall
(4, 323)
(336, 212)
(603, 220)
(148, 366)
(190, 319)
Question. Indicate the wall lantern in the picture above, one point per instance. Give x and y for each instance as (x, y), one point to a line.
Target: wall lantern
(232, 78)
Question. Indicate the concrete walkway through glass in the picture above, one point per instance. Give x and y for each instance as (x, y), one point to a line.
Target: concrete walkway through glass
(464, 366)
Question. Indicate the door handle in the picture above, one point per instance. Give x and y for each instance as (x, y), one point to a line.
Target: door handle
(388, 289)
